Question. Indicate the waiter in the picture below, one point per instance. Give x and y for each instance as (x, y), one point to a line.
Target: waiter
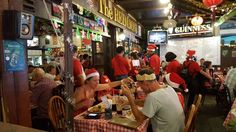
(153, 59)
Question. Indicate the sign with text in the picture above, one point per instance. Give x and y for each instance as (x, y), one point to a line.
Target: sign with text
(113, 12)
(190, 30)
(14, 56)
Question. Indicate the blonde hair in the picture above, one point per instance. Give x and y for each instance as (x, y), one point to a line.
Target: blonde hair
(38, 73)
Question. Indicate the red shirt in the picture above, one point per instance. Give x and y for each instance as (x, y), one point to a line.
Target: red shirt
(173, 66)
(194, 68)
(77, 70)
(120, 65)
(154, 63)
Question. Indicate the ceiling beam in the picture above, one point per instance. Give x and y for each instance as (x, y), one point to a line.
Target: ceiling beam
(145, 9)
(132, 1)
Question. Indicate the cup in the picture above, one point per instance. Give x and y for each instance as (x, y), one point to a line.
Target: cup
(108, 113)
(119, 109)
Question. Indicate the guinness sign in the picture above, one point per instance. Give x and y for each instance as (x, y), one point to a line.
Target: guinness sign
(190, 29)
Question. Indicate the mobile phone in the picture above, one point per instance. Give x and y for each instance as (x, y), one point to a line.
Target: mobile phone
(93, 116)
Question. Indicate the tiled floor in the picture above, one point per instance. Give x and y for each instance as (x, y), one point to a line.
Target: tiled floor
(210, 117)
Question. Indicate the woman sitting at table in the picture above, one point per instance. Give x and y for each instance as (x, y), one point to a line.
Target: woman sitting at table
(84, 95)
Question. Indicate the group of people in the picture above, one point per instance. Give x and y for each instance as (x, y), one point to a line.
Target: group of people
(161, 104)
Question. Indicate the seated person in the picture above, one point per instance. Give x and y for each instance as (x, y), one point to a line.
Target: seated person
(84, 95)
(41, 94)
(161, 104)
(51, 74)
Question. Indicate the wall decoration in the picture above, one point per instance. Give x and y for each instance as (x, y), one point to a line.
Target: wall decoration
(57, 11)
(234, 53)
(225, 53)
(14, 56)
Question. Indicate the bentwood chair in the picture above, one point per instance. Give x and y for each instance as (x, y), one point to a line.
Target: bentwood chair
(57, 115)
(189, 118)
(197, 104)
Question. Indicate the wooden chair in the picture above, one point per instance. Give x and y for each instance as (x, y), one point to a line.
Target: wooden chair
(189, 118)
(197, 104)
(57, 115)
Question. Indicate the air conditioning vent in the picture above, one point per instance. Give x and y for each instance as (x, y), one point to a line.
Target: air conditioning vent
(28, 6)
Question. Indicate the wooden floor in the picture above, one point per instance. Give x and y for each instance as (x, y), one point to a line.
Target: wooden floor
(211, 116)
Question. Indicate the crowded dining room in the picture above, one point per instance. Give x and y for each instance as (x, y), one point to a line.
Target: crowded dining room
(118, 66)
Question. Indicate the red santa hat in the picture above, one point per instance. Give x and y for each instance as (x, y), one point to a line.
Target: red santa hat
(190, 53)
(174, 80)
(91, 73)
(151, 47)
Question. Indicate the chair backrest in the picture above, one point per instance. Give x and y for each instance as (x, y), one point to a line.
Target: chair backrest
(56, 112)
(189, 118)
(198, 102)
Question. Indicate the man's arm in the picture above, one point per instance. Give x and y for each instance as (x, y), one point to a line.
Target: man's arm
(139, 116)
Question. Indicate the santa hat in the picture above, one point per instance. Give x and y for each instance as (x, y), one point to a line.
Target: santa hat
(190, 53)
(174, 80)
(151, 47)
(91, 73)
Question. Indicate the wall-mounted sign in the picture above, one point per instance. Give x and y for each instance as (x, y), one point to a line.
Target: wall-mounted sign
(190, 29)
(14, 56)
(113, 12)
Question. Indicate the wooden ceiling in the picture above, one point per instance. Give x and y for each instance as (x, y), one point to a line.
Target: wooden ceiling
(150, 12)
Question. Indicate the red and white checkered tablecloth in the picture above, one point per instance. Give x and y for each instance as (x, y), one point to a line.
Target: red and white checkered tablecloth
(102, 125)
(230, 116)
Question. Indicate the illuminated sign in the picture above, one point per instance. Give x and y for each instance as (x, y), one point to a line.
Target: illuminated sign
(113, 12)
(190, 29)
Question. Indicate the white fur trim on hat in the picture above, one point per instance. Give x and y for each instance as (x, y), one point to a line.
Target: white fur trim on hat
(150, 49)
(92, 75)
(171, 83)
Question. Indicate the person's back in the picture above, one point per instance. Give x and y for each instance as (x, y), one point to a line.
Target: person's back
(168, 113)
(120, 65)
(42, 92)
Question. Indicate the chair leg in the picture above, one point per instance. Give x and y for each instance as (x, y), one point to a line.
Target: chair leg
(203, 99)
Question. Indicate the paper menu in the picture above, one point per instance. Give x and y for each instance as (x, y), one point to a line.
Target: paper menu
(108, 103)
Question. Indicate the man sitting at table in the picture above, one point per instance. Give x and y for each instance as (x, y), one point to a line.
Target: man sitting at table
(41, 94)
(161, 105)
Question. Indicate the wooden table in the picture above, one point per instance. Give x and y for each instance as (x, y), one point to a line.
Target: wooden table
(7, 127)
(97, 125)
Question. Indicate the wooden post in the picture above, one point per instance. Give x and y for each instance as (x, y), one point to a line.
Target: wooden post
(67, 9)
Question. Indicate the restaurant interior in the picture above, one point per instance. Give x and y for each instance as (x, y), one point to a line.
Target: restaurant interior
(51, 38)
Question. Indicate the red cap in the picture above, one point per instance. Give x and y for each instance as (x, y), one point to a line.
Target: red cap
(151, 47)
(91, 73)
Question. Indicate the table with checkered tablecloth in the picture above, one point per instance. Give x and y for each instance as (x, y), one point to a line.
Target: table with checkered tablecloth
(230, 117)
(101, 125)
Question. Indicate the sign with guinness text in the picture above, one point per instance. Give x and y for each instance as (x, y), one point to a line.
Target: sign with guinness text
(190, 29)
(113, 12)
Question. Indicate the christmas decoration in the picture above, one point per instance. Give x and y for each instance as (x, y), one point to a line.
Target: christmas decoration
(212, 4)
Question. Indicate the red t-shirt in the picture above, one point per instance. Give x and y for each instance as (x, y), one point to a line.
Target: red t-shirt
(120, 65)
(77, 69)
(154, 63)
(194, 68)
(173, 66)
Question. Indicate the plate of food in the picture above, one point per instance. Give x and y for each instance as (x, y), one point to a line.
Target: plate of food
(97, 108)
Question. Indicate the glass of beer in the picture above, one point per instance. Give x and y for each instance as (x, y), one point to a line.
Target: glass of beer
(119, 109)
